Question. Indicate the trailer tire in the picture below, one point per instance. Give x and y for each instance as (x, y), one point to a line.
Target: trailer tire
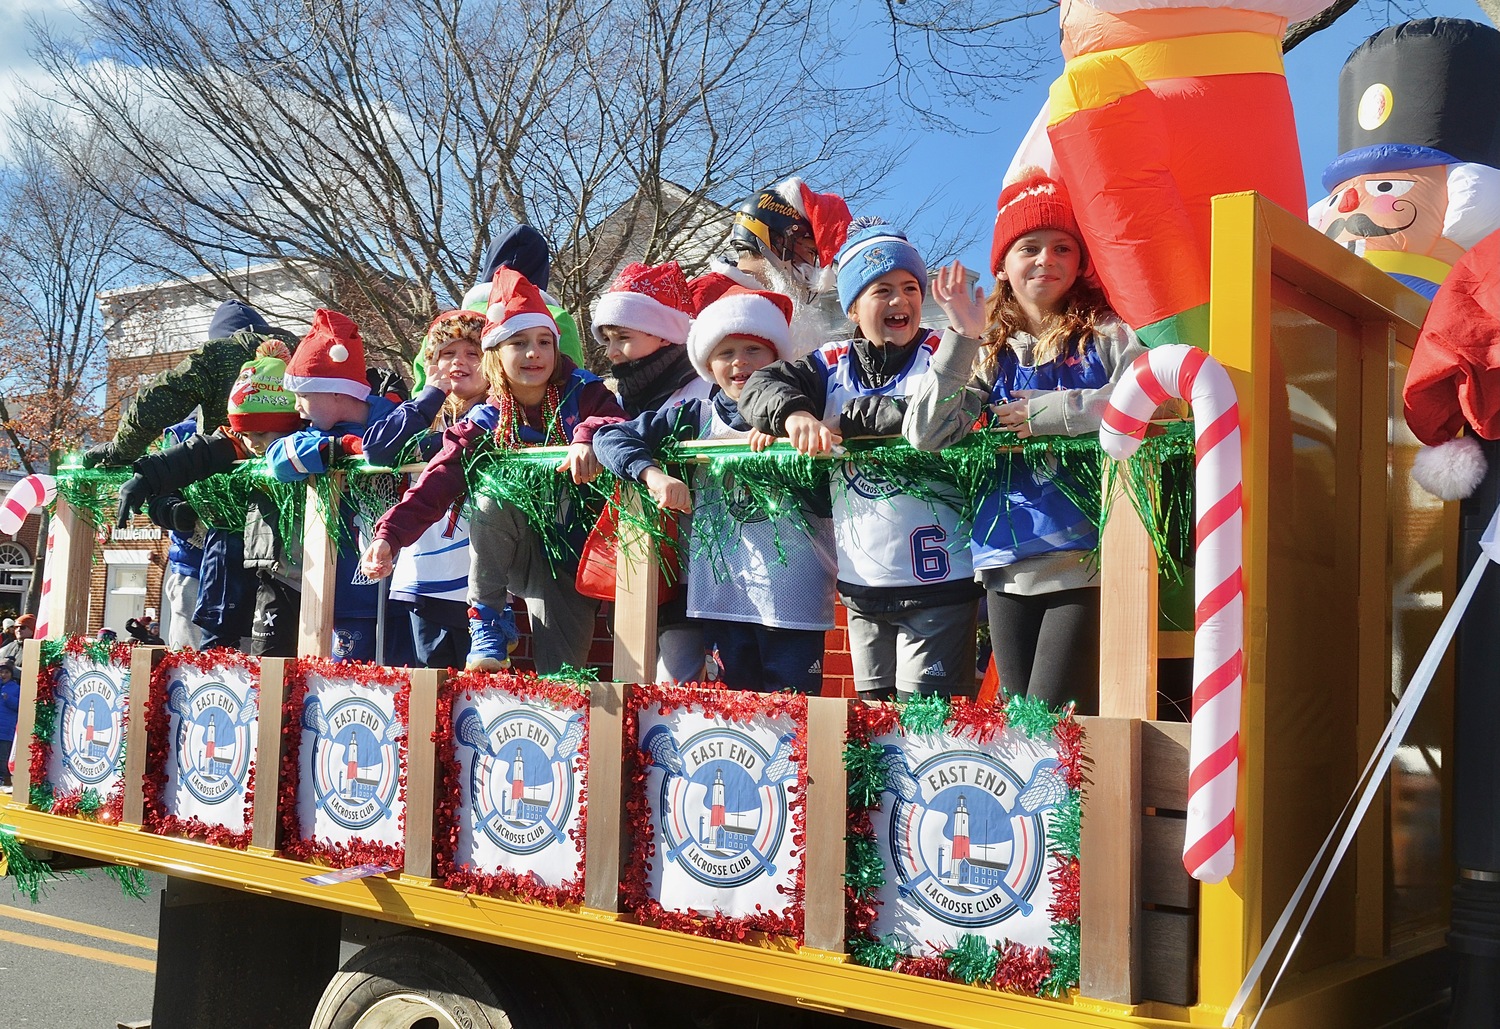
(411, 981)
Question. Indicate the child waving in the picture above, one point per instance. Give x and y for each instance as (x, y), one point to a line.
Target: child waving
(1043, 360)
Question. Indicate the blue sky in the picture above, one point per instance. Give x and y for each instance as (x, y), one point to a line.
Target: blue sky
(973, 165)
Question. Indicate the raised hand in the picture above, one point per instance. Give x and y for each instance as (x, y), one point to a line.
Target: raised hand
(963, 306)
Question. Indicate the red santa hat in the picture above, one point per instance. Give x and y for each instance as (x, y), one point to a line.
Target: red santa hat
(758, 314)
(1454, 379)
(515, 305)
(651, 299)
(330, 358)
(829, 216)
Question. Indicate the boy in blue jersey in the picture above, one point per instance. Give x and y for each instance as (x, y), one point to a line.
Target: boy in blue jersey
(904, 569)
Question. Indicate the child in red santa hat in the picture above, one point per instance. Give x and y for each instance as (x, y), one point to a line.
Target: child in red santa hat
(761, 591)
(539, 398)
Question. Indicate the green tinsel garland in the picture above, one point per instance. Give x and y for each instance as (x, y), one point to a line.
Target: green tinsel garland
(1063, 944)
(132, 881)
(553, 504)
(89, 802)
(93, 491)
(924, 716)
(31, 876)
(864, 872)
(874, 953)
(578, 678)
(973, 960)
(865, 765)
(1067, 822)
(1031, 716)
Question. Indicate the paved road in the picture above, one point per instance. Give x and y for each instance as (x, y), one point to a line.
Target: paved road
(84, 957)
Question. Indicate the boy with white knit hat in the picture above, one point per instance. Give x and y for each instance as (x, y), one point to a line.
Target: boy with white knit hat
(765, 601)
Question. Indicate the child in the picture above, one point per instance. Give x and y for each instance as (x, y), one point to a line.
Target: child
(259, 413)
(762, 615)
(1051, 353)
(642, 323)
(539, 398)
(328, 379)
(10, 711)
(904, 570)
(432, 575)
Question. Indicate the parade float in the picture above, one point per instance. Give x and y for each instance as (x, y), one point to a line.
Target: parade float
(533, 847)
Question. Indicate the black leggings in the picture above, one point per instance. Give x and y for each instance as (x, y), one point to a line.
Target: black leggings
(1047, 645)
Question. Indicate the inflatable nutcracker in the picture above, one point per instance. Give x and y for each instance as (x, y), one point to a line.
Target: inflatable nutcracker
(1416, 183)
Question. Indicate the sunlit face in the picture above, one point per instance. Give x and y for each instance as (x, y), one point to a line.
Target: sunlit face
(889, 311)
(322, 410)
(1041, 268)
(735, 358)
(528, 359)
(1400, 210)
(622, 344)
(258, 442)
(459, 361)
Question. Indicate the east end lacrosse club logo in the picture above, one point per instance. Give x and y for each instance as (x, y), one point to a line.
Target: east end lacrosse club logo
(867, 485)
(355, 762)
(213, 738)
(93, 737)
(722, 808)
(523, 778)
(967, 839)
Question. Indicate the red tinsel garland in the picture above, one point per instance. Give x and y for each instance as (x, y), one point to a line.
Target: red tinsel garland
(1019, 968)
(39, 752)
(731, 706)
(515, 885)
(355, 851)
(158, 819)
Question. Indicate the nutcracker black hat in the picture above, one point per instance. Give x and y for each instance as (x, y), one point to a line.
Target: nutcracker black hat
(1422, 93)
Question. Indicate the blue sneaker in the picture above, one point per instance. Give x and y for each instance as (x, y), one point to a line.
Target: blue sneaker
(492, 636)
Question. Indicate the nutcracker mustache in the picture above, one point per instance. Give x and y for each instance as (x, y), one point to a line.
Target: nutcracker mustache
(1365, 226)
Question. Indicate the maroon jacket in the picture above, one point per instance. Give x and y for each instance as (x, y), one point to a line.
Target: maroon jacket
(442, 482)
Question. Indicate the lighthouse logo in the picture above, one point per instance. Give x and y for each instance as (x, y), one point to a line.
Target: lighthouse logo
(213, 742)
(91, 716)
(523, 778)
(721, 809)
(356, 761)
(967, 837)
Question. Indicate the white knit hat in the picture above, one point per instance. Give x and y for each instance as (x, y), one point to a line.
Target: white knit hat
(758, 314)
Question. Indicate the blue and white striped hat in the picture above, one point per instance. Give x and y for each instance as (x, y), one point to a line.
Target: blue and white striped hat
(873, 249)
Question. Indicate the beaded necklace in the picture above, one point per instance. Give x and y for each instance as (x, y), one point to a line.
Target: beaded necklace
(508, 431)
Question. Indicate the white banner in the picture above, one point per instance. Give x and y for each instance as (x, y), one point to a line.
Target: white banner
(350, 777)
(720, 800)
(213, 721)
(88, 747)
(521, 804)
(962, 832)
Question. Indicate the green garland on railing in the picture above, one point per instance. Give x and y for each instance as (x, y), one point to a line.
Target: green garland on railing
(94, 492)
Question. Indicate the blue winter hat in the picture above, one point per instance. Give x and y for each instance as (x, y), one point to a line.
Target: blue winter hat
(523, 249)
(233, 316)
(871, 250)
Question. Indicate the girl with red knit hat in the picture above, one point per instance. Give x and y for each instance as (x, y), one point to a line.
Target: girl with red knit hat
(538, 397)
(1042, 360)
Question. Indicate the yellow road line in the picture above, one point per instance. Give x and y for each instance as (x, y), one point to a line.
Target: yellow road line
(77, 951)
(99, 932)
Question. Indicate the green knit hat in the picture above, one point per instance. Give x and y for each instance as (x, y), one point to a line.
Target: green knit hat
(259, 402)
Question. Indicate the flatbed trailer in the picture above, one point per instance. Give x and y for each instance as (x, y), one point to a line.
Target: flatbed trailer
(1346, 571)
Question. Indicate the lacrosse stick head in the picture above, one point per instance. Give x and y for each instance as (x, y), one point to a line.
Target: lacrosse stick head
(781, 768)
(1046, 789)
(469, 730)
(662, 748)
(898, 777)
(313, 719)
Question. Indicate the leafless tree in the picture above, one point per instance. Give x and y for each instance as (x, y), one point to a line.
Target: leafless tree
(383, 141)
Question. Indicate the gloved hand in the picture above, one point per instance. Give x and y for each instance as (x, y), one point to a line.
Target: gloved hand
(871, 416)
(135, 494)
(173, 513)
(102, 454)
(335, 447)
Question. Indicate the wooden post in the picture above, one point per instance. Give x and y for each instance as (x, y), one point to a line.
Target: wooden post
(1127, 616)
(72, 557)
(606, 793)
(827, 802)
(636, 570)
(319, 578)
(268, 751)
(1110, 893)
(31, 667)
(421, 769)
(143, 662)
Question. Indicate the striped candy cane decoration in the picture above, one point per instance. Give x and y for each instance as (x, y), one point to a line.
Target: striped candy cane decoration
(44, 602)
(1189, 374)
(25, 497)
